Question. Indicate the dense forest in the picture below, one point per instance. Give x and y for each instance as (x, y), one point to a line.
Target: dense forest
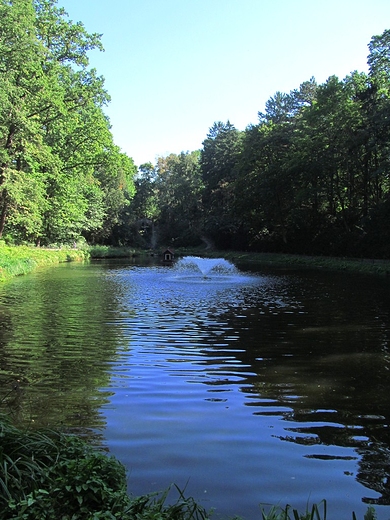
(61, 175)
(312, 177)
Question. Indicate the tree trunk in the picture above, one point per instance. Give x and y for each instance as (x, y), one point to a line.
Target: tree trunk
(3, 213)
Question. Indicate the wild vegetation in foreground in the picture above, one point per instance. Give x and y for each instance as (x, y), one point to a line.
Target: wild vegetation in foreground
(51, 475)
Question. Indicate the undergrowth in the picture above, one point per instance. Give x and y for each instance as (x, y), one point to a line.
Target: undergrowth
(49, 475)
(315, 512)
(111, 252)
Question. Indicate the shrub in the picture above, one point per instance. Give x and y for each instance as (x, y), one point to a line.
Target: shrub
(50, 475)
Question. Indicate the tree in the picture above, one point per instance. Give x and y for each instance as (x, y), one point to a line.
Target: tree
(379, 56)
(179, 186)
(22, 88)
(265, 186)
(58, 162)
(218, 162)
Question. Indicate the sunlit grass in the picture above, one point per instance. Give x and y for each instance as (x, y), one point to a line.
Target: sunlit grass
(112, 252)
(19, 260)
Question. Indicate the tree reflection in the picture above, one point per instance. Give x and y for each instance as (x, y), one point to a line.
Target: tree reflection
(320, 358)
(57, 347)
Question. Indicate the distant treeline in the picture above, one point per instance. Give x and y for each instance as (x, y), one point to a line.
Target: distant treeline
(312, 177)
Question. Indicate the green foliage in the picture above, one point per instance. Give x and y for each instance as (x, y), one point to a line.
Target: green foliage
(316, 512)
(167, 206)
(313, 174)
(311, 177)
(61, 176)
(155, 507)
(53, 476)
(219, 162)
(111, 252)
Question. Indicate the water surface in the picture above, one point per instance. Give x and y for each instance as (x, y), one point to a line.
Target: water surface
(269, 386)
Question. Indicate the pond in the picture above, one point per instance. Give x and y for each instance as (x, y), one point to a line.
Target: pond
(245, 387)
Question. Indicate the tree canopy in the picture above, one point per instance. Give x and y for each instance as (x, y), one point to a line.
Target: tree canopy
(61, 175)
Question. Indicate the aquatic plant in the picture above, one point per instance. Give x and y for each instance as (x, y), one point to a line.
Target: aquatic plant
(315, 512)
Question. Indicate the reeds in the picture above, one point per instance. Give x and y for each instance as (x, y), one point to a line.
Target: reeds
(315, 512)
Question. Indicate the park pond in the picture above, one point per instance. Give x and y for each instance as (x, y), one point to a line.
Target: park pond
(245, 386)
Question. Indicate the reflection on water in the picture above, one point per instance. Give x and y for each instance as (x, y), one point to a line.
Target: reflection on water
(264, 387)
(55, 347)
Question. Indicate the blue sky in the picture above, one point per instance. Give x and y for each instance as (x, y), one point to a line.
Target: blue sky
(174, 67)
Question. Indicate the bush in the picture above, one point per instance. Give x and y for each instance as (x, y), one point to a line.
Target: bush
(50, 475)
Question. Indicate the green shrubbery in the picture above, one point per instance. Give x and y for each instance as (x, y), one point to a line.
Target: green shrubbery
(48, 475)
(111, 252)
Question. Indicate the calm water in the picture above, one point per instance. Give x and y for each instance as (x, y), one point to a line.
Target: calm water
(257, 387)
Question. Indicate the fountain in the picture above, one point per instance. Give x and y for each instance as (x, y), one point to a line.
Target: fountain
(195, 268)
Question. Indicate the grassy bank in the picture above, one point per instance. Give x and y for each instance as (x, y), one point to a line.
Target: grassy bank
(15, 261)
(53, 476)
(364, 265)
(18, 260)
(114, 252)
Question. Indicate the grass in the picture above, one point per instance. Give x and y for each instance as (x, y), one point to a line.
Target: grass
(315, 512)
(112, 252)
(19, 260)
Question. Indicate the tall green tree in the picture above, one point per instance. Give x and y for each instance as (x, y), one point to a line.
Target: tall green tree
(23, 87)
(55, 141)
(179, 186)
(218, 161)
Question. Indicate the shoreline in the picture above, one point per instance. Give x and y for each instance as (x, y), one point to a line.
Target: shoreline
(20, 260)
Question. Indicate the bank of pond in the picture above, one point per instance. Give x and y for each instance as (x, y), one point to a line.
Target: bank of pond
(48, 474)
(20, 260)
